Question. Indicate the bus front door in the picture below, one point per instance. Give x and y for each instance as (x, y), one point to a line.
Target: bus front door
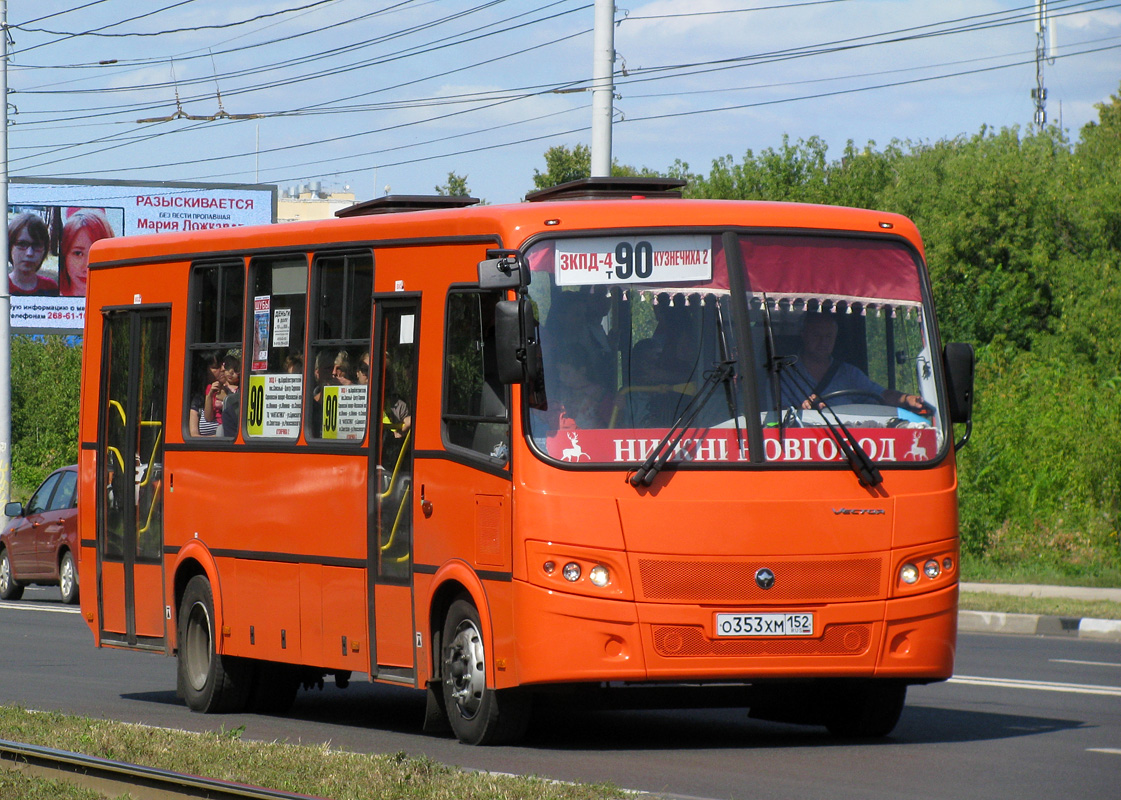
(393, 379)
(134, 370)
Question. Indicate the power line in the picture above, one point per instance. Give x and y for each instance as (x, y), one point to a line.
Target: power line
(194, 28)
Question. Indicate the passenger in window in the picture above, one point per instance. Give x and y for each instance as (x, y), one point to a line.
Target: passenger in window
(362, 369)
(397, 424)
(583, 402)
(665, 367)
(324, 376)
(205, 382)
(341, 369)
(817, 374)
(670, 355)
(28, 239)
(231, 408)
(575, 327)
(294, 364)
(84, 227)
(324, 373)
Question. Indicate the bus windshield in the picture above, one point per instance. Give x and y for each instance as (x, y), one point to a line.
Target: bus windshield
(640, 335)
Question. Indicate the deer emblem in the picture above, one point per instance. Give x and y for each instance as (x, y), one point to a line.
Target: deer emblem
(917, 451)
(576, 451)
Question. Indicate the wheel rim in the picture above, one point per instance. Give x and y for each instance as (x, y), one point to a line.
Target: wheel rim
(198, 647)
(466, 673)
(66, 576)
(5, 573)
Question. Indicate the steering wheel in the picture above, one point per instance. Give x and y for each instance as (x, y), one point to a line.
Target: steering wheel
(825, 398)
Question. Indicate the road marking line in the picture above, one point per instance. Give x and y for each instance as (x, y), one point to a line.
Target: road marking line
(1113, 751)
(1083, 663)
(1042, 686)
(27, 607)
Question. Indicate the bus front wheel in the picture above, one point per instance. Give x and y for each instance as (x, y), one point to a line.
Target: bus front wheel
(208, 681)
(478, 714)
(865, 709)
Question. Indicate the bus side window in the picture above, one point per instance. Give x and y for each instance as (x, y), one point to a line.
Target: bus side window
(476, 405)
(340, 347)
(270, 396)
(217, 300)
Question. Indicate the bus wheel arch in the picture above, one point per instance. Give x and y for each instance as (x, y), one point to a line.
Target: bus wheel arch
(208, 681)
(477, 712)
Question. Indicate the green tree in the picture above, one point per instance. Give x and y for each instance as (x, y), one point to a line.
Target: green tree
(994, 211)
(563, 164)
(455, 187)
(46, 373)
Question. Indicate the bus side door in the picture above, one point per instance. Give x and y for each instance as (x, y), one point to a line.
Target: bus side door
(393, 379)
(133, 399)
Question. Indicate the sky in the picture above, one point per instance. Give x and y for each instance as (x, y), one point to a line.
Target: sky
(390, 96)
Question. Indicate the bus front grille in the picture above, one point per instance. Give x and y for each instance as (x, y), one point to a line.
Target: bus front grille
(733, 581)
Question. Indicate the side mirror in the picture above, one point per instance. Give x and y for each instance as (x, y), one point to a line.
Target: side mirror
(518, 348)
(959, 361)
(13, 509)
(508, 341)
(503, 269)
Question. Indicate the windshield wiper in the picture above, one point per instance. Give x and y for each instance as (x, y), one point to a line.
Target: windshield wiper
(866, 471)
(729, 390)
(774, 366)
(654, 462)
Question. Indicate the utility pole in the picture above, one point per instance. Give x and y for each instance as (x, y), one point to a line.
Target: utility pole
(5, 295)
(603, 87)
(1044, 51)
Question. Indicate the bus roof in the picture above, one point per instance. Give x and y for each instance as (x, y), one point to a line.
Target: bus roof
(511, 224)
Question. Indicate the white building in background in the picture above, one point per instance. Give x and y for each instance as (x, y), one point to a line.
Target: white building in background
(311, 201)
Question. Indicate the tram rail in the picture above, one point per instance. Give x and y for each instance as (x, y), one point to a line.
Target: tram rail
(115, 778)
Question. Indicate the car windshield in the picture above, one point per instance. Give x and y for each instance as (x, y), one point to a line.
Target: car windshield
(636, 331)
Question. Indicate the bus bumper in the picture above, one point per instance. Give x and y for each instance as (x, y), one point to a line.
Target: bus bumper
(572, 638)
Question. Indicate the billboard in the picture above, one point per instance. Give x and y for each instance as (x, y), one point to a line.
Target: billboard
(53, 221)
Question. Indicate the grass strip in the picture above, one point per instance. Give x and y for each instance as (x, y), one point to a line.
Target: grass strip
(317, 770)
(1048, 606)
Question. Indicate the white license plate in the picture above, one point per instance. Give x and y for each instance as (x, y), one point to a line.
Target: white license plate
(801, 624)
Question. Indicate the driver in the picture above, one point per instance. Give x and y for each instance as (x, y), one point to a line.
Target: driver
(816, 373)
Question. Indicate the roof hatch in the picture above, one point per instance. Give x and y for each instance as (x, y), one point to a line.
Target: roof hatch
(396, 203)
(610, 189)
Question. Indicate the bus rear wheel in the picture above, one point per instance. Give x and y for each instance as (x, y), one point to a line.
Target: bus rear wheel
(209, 682)
(478, 714)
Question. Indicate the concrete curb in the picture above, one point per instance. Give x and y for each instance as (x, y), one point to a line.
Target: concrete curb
(1039, 625)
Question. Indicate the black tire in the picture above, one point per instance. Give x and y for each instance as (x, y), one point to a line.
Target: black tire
(478, 714)
(274, 688)
(68, 578)
(207, 681)
(10, 588)
(865, 709)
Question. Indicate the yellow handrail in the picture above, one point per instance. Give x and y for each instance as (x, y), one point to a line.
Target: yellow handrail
(397, 466)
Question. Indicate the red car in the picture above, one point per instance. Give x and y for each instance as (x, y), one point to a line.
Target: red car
(39, 542)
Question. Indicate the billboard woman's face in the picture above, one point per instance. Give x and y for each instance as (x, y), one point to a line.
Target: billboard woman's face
(78, 260)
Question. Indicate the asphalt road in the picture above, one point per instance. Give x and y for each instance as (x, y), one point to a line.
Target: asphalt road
(1024, 717)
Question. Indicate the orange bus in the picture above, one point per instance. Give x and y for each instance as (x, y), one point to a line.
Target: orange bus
(607, 442)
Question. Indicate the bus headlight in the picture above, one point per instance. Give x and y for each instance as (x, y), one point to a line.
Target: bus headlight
(909, 574)
(599, 576)
(571, 572)
(931, 569)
